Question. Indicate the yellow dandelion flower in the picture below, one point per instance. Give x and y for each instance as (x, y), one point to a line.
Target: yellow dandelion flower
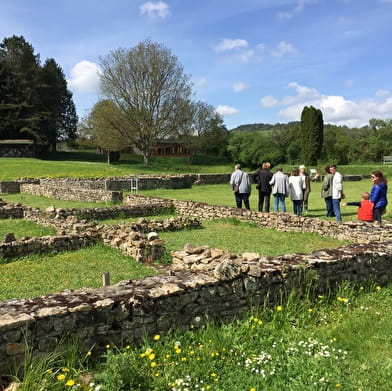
(157, 374)
(148, 351)
(88, 353)
(252, 389)
(338, 385)
(151, 356)
(213, 375)
(310, 310)
(107, 346)
(65, 370)
(183, 358)
(70, 383)
(320, 296)
(260, 322)
(378, 288)
(61, 377)
(157, 337)
(153, 364)
(279, 308)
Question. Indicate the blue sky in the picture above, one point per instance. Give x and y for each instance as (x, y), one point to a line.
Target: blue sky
(253, 60)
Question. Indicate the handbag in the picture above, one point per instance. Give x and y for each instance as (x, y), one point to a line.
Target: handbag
(236, 188)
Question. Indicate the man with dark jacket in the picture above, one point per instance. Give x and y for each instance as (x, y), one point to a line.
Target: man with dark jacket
(263, 177)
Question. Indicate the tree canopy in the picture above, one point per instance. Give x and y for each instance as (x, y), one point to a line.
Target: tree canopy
(150, 90)
(34, 100)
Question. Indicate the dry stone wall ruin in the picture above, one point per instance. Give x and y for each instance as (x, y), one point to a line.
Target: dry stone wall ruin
(203, 283)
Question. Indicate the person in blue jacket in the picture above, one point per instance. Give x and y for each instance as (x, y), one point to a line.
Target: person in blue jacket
(378, 195)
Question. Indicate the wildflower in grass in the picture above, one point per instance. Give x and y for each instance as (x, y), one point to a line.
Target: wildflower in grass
(153, 364)
(151, 356)
(378, 288)
(338, 385)
(127, 347)
(70, 383)
(65, 370)
(157, 337)
(252, 389)
(279, 308)
(107, 346)
(342, 299)
(320, 296)
(61, 377)
(88, 353)
(310, 310)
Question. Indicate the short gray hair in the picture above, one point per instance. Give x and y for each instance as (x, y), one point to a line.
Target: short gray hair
(237, 166)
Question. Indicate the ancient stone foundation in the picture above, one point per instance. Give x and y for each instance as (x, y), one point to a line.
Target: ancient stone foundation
(225, 289)
(204, 283)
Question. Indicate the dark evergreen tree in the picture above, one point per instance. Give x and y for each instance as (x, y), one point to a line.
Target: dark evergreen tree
(34, 101)
(19, 78)
(311, 135)
(58, 112)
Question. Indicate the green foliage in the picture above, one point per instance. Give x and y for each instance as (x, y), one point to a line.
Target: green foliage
(339, 340)
(34, 100)
(311, 135)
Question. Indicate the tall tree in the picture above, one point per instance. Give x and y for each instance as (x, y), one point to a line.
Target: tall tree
(107, 123)
(59, 119)
(19, 79)
(311, 134)
(34, 101)
(149, 87)
(201, 129)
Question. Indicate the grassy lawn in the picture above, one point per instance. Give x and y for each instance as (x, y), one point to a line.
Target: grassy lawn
(90, 164)
(222, 195)
(22, 228)
(37, 275)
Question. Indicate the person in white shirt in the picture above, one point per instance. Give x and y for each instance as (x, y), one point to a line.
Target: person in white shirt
(296, 191)
(337, 191)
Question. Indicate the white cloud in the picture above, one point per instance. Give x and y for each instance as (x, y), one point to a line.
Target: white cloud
(85, 77)
(152, 10)
(297, 10)
(226, 110)
(283, 49)
(240, 86)
(383, 93)
(230, 44)
(269, 101)
(336, 109)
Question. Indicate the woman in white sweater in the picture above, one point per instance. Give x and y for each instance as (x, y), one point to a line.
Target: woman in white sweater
(296, 191)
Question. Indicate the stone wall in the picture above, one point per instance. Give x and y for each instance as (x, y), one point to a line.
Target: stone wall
(354, 231)
(60, 192)
(130, 310)
(8, 211)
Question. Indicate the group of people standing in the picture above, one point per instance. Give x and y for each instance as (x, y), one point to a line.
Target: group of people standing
(297, 186)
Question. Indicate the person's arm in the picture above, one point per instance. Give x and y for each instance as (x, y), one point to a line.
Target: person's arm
(352, 203)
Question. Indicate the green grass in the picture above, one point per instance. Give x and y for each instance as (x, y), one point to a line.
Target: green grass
(37, 275)
(340, 341)
(239, 237)
(22, 228)
(90, 165)
(44, 202)
(222, 195)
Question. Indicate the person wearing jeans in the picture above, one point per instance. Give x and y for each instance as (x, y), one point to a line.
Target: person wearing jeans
(337, 191)
(280, 188)
(241, 180)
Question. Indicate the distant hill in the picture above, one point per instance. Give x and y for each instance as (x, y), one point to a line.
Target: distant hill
(262, 127)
